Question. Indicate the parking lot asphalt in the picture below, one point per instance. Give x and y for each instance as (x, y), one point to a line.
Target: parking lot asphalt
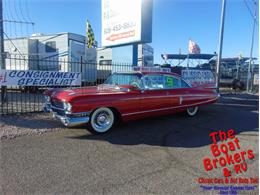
(161, 155)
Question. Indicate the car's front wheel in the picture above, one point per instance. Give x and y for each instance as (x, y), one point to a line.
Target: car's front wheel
(101, 120)
(192, 111)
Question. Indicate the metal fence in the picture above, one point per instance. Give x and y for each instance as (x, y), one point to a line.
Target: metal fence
(24, 99)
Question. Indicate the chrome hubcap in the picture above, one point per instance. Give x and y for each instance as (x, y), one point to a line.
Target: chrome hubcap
(102, 120)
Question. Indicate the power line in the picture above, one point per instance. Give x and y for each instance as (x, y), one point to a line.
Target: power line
(20, 53)
(27, 10)
(9, 9)
(250, 11)
(16, 11)
(13, 44)
(21, 10)
(20, 22)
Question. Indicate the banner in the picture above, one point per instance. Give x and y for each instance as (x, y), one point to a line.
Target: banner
(39, 78)
(199, 77)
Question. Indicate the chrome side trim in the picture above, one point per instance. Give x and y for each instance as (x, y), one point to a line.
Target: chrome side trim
(162, 109)
(80, 114)
(167, 96)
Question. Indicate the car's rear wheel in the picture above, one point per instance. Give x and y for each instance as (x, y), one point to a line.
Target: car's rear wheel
(192, 111)
(101, 120)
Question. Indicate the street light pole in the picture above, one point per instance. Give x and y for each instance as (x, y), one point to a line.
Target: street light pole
(249, 72)
(221, 34)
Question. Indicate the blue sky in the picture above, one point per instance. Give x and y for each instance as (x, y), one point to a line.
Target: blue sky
(174, 22)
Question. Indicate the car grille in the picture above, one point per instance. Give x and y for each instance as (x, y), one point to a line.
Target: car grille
(59, 112)
(57, 104)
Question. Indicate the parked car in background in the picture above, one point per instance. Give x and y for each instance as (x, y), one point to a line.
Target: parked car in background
(126, 96)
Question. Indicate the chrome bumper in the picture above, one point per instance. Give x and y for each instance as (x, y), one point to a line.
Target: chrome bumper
(70, 120)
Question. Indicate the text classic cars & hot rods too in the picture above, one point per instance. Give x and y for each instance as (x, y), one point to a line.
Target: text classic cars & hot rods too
(126, 96)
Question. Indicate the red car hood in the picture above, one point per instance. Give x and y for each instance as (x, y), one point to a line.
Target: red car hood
(66, 94)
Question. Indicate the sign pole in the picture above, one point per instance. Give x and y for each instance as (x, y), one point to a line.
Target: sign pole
(135, 54)
(220, 42)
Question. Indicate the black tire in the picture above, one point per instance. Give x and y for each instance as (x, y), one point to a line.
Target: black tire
(192, 111)
(101, 120)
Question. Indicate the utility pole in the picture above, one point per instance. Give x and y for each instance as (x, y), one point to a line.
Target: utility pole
(2, 59)
(249, 71)
(221, 33)
(2, 53)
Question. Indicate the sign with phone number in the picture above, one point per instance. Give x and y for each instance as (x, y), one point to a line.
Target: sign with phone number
(121, 21)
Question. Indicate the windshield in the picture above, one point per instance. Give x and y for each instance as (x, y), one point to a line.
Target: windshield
(125, 79)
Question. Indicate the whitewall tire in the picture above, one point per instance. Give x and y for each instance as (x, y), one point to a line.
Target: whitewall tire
(192, 111)
(101, 120)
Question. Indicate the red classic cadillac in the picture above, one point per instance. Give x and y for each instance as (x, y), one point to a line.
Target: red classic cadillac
(126, 96)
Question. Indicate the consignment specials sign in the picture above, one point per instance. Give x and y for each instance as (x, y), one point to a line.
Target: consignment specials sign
(121, 21)
(39, 78)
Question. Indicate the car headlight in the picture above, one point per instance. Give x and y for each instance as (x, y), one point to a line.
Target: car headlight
(67, 106)
(47, 98)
